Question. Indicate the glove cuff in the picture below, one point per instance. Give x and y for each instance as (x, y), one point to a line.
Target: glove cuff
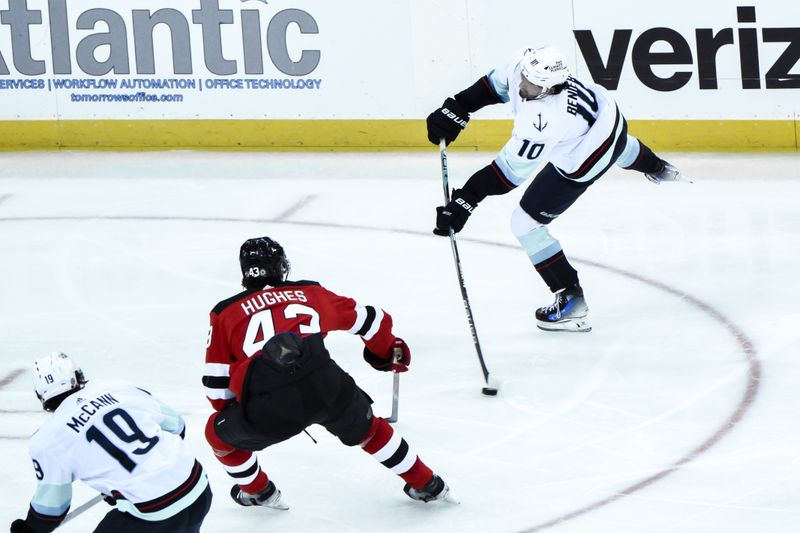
(478, 95)
(376, 361)
(467, 200)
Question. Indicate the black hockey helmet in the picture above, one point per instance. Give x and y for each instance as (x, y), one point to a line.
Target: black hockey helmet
(263, 262)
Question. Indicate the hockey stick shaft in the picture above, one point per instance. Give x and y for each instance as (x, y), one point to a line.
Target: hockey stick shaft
(395, 396)
(457, 261)
(81, 509)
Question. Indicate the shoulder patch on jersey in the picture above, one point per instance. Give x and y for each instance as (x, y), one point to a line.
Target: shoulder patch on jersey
(233, 299)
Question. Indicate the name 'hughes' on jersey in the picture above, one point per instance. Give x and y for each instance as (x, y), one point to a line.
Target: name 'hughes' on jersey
(241, 325)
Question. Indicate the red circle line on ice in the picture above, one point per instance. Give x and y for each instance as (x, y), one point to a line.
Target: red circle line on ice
(751, 389)
(744, 342)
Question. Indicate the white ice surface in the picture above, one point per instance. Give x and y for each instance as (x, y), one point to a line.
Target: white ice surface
(634, 427)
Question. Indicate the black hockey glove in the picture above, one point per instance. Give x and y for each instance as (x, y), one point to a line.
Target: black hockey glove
(447, 122)
(398, 359)
(20, 526)
(455, 213)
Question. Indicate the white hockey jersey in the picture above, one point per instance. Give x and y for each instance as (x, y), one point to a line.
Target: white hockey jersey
(120, 441)
(576, 130)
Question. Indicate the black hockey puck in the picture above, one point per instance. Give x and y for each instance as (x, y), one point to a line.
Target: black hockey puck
(489, 391)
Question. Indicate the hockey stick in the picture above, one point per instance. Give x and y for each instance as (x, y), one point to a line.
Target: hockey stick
(395, 396)
(81, 509)
(492, 385)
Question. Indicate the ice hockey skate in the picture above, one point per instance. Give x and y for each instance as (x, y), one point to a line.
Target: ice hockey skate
(434, 490)
(270, 497)
(568, 312)
(667, 172)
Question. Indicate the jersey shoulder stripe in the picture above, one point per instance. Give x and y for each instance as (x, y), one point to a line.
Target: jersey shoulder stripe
(605, 148)
(236, 297)
(229, 301)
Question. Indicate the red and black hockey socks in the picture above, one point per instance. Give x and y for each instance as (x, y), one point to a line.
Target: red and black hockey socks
(382, 442)
(393, 452)
(241, 465)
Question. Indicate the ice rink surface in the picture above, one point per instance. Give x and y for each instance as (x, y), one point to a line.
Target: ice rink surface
(677, 413)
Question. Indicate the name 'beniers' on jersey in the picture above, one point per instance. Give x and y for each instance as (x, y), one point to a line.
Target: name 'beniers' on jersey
(573, 129)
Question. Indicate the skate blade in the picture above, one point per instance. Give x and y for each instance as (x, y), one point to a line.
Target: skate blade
(576, 326)
(277, 505)
(449, 498)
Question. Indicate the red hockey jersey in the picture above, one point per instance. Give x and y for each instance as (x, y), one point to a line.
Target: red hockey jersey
(241, 325)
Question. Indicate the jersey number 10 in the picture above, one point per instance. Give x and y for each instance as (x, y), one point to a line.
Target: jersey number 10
(534, 151)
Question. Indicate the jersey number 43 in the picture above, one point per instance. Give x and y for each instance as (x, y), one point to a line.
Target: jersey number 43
(262, 325)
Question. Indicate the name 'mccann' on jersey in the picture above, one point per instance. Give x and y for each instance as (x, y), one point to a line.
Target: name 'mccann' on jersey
(122, 442)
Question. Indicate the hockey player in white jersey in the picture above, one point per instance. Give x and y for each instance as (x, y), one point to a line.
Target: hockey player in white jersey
(577, 127)
(122, 442)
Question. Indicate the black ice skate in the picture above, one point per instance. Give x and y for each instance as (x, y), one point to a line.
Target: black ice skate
(667, 173)
(567, 313)
(434, 490)
(269, 497)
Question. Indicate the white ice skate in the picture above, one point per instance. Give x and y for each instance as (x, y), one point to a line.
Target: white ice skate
(434, 490)
(270, 497)
(667, 173)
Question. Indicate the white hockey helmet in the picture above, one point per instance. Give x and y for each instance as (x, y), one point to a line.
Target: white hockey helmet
(545, 67)
(54, 375)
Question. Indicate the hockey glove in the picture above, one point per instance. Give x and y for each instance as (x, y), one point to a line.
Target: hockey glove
(447, 122)
(455, 213)
(398, 359)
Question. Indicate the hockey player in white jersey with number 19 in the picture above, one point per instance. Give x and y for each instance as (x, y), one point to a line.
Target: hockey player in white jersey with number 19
(578, 128)
(122, 442)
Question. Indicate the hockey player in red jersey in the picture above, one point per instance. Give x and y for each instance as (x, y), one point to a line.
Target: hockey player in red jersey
(577, 127)
(269, 376)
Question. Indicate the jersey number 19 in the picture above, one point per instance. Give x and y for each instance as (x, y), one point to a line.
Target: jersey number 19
(133, 434)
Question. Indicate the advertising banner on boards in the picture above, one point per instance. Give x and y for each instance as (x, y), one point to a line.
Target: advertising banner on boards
(314, 60)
